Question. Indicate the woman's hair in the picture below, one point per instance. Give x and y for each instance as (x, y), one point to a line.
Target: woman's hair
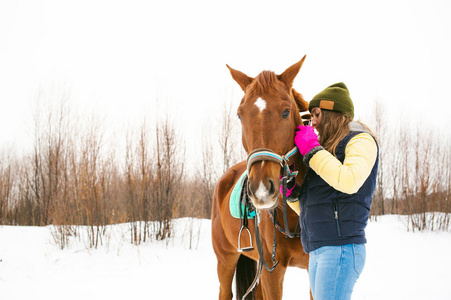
(333, 127)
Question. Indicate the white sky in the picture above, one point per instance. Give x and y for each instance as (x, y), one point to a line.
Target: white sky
(118, 57)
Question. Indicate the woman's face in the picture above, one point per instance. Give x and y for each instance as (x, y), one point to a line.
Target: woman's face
(316, 117)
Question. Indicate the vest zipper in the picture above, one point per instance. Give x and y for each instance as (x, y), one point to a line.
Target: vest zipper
(336, 218)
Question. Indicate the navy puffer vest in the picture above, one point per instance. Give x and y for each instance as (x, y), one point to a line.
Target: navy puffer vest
(329, 217)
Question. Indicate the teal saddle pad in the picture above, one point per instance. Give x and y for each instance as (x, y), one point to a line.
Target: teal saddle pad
(235, 200)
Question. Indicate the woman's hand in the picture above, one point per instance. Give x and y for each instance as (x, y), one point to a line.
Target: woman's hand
(305, 139)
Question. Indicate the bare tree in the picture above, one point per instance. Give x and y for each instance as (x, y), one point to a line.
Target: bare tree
(139, 180)
(93, 184)
(169, 174)
(230, 137)
(380, 124)
(208, 171)
(50, 145)
(8, 178)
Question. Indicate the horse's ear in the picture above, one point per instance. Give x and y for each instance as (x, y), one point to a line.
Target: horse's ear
(302, 104)
(242, 79)
(289, 74)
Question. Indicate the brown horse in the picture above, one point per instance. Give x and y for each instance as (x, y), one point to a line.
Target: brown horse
(269, 113)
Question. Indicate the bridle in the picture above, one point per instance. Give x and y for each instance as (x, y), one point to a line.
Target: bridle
(263, 154)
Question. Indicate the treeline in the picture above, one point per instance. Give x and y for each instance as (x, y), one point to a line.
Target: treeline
(76, 178)
(414, 177)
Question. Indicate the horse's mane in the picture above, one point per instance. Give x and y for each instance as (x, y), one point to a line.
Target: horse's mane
(265, 83)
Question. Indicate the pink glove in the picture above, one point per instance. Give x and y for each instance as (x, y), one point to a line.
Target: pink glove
(305, 139)
(291, 183)
(289, 190)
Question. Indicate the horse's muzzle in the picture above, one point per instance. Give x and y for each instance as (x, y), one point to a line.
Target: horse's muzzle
(264, 192)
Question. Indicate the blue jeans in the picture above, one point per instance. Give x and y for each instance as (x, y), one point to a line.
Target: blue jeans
(333, 270)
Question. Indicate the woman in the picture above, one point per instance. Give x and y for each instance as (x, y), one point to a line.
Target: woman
(335, 197)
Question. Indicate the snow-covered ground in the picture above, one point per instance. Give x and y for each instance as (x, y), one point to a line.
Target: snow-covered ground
(400, 265)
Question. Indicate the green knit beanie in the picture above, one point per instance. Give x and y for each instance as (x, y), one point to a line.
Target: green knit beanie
(335, 98)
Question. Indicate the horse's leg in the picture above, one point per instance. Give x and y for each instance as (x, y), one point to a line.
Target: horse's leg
(227, 257)
(272, 283)
(258, 292)
(227, 260)
(226, 270)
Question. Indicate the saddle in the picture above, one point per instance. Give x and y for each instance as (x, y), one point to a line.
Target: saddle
(240, 205)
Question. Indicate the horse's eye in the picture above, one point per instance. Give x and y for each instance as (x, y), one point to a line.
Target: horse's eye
(239, 117)
(285, 114)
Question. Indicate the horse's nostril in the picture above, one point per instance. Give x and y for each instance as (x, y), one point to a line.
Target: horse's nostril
(271, 187)
(249, 190)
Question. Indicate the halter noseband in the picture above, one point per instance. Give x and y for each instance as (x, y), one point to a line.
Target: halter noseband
(262, 154)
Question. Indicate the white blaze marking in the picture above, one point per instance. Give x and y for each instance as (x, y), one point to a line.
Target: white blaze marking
(261, 104)
(262, 192)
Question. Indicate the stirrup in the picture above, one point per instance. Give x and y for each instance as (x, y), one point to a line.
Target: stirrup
(245, 249)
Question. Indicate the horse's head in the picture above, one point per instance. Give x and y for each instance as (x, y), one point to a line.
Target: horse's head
(269, 114)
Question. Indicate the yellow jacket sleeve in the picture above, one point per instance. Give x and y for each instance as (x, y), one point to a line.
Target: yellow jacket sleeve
(295, 206)
(360, 156)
